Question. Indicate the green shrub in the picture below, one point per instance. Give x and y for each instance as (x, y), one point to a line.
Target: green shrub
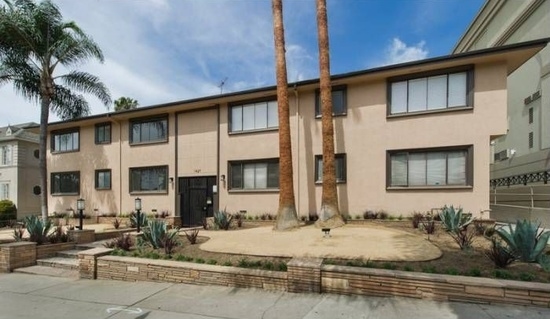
(227, 264)
(526, 241)
(38, 229)
(408, 268)
(58, 235)
(474, 272)
(452, 271)
(222, 219)
(8, 211)
(502, 274)
(211, 262)
(429, 269)
(199, 260)
(525, 276)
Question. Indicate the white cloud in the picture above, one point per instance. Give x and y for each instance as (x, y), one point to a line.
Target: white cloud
(400, 52)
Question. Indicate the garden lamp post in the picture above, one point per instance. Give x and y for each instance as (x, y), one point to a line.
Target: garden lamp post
(80, 204)
(137, 203)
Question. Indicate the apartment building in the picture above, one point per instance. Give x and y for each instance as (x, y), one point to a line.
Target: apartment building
(408, 137)
(19, 177)
(520, 159)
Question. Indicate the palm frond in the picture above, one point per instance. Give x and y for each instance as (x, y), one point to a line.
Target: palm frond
(87, 83)
(68, 105)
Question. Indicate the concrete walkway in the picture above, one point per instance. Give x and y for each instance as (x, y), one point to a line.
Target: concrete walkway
(30, 296)
(349, 241)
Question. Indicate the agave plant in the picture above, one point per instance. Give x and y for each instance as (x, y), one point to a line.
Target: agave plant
(526, 241)
(38, 229)
(222, 219)
(157, 235)
(453, 219)
(134, 220)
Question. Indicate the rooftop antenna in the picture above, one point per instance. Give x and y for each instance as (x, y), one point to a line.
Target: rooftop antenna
(222, 83)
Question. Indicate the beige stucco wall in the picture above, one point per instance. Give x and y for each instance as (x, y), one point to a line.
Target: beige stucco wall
(28, 177)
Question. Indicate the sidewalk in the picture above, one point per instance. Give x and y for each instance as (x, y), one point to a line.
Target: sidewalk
(31, 296)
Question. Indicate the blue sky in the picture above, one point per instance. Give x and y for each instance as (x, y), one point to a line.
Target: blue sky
(159, 51)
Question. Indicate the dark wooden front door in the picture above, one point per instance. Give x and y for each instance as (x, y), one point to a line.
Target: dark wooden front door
(196, 199)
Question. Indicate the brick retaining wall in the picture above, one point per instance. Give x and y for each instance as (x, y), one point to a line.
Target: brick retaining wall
(108, 234)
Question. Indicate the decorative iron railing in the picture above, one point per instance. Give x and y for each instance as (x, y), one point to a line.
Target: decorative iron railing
(521, 179)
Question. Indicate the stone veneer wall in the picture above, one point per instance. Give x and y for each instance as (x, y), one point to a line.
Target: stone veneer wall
(139, 269)
(49, 250)
(381, 282)
(309, 275)
(108, 234)
(16, 255)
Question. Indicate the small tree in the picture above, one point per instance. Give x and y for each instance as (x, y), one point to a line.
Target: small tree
(125, 103)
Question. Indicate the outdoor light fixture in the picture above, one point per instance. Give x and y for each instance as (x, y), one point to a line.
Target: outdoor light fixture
(80, 205)
(137, 206)
(171, 180)
(222, 178)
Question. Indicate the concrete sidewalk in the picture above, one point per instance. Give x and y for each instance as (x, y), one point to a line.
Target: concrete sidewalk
(31, 296)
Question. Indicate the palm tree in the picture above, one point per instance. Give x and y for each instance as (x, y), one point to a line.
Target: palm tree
(329, 215)
(286, 215)
(125, 103)
(34, 42)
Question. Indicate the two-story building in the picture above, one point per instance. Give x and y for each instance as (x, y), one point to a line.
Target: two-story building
(19, 167)
(408, 137)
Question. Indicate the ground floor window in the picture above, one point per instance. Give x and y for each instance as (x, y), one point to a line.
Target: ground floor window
(4, 191)
(149, 179)
(339, 162)
(430, 167)
(261, 174)
(65, 183)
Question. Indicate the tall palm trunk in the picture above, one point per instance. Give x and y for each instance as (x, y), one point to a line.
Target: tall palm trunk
(286, 215)
(329, 215)
(44, 113)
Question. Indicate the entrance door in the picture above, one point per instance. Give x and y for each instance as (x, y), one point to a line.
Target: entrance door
(196, 199)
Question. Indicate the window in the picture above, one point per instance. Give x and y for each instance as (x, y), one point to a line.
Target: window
(339, 162)
(6, 155)
(530, 115)
(65, 183)
(254, 116)
(149, 179)
(531, 143)
(65, 141)
(103, 179)
(4, 191)
(254, 174)
(36, 154)
(339, 101)
(434, 167)
(430, 93)
(103, 133)
(149, 130)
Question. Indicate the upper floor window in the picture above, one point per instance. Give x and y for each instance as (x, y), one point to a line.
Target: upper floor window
(103, 133)
(433, 167)
(149, 130)
(65, 183)
(435, 92)
(254, 116)
(339, 163)
(6, 155)
(257, 174)
(339, 101)
(149, 179)
(103, 179)
(65, 141)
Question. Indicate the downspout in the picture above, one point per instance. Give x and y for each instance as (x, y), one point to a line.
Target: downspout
(297, 147)
(218, 184)
(119, 162)
(176, 180)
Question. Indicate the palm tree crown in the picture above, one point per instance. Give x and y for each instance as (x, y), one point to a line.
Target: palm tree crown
(34, 43)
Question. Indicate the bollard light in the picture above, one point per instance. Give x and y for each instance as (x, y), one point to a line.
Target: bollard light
(80, 205)
(137, 206)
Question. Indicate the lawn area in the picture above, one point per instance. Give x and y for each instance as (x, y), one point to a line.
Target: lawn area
(451, 259)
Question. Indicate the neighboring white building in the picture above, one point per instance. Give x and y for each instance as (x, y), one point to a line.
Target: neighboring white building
(521, 158)
(19, 174)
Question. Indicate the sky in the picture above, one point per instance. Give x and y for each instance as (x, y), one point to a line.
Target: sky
(159, 51)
